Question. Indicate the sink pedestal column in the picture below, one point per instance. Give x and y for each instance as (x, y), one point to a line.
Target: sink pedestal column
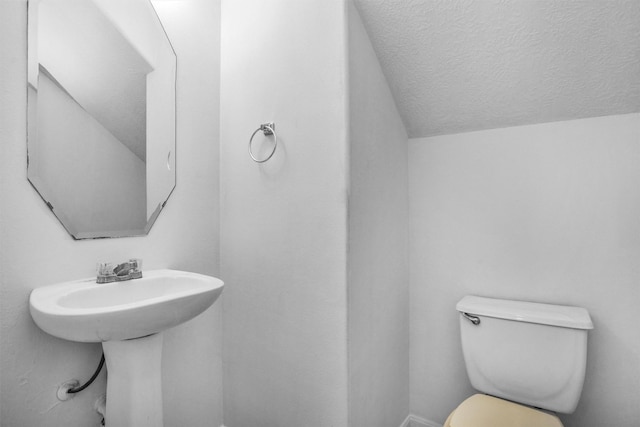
(134, 385)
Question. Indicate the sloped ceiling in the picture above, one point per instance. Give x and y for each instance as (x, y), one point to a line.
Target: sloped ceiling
(461, 65)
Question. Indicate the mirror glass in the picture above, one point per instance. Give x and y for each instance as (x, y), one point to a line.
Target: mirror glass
(101, 114)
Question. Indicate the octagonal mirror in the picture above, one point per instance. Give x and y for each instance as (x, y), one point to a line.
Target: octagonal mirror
(101, 114)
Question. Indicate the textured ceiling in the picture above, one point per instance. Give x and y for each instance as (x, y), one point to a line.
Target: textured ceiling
(461, 65)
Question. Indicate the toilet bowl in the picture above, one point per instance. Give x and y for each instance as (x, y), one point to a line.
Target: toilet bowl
(526, 358)
(481, 410)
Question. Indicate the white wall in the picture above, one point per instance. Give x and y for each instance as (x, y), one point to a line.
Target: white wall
(547, 212)
(378, 282)
(35, 250)
(283, 223)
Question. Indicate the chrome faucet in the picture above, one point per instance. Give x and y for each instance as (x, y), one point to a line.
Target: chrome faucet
(109, 272)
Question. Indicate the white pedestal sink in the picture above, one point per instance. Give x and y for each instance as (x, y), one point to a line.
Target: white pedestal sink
(128, 318)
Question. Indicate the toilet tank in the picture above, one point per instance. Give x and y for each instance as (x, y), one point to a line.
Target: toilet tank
(526, 352)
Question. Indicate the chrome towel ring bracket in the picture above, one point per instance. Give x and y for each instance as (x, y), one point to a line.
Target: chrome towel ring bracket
(267, 129)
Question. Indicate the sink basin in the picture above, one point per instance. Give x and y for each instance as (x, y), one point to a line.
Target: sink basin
(128, 318)
(85, 311)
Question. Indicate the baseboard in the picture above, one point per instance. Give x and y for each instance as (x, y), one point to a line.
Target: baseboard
(412, 421)
(416, 421)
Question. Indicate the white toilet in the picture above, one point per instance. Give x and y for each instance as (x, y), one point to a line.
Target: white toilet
(530, 353)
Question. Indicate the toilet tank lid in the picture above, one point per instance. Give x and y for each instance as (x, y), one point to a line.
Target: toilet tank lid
(530, 312)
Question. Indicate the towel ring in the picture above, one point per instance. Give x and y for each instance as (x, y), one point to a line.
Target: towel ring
(267, 129)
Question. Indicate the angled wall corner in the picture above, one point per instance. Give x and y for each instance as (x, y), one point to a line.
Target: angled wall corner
(378, 281)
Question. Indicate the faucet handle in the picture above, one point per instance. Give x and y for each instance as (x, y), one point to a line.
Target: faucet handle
(136, 264)
(105, 272)
(136, 268)
(104, 268)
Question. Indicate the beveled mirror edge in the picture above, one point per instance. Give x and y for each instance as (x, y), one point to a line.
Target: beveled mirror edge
(60, 216)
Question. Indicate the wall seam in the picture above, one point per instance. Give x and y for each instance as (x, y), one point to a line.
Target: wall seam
(347, 153)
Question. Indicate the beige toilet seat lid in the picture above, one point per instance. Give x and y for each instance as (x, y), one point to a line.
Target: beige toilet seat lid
(481, 410)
